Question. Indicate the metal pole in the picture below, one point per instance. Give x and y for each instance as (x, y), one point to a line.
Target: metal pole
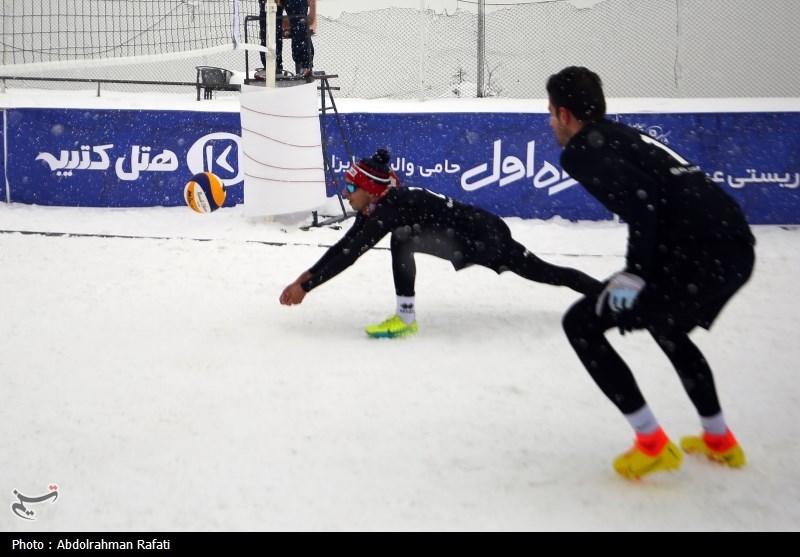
(271, 11)
(481, 46)
(678, 69)
(422, 38)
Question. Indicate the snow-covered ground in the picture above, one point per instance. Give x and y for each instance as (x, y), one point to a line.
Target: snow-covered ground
(150, 373)
(158, 382)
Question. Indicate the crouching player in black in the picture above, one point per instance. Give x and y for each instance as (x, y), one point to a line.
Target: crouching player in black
(425, 222)
(689, 251)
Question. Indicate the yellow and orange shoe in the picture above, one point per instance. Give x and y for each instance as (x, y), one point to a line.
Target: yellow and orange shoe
(724, 448)
(650, 453)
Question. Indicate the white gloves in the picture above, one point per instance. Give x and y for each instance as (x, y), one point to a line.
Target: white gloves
(621, 292)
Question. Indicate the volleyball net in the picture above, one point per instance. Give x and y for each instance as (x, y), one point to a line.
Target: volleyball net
(45, 35)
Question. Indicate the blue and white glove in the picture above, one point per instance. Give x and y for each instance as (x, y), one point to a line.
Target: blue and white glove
(621, 292)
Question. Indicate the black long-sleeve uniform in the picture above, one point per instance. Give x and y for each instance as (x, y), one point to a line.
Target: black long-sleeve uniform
(687, 238)
(426, 222)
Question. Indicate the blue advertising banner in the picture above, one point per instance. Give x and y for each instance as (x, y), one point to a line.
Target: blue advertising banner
(507, 163)
(118, 158)
(753, 156)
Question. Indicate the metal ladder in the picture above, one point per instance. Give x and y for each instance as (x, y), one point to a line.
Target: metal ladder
(327, 96)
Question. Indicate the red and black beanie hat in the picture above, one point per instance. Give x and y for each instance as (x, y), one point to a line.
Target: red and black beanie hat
(374, 174)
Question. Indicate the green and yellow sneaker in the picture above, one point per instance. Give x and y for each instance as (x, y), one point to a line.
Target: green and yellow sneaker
(393, 327)
(719, 448)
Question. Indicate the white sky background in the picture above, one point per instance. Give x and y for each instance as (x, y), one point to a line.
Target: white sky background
(158, 382)
(334, 8)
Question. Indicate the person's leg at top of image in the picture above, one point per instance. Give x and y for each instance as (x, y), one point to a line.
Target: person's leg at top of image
(279, 40)
(262, 30)
(302, 48)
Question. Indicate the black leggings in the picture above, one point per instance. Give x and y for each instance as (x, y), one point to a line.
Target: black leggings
(586, 333)
(510, 255)
(666, 311)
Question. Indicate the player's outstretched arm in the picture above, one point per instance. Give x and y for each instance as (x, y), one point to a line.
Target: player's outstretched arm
(294, 293)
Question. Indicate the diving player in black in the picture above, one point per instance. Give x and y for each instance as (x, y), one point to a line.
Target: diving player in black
(690, 249)
(425, 222)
